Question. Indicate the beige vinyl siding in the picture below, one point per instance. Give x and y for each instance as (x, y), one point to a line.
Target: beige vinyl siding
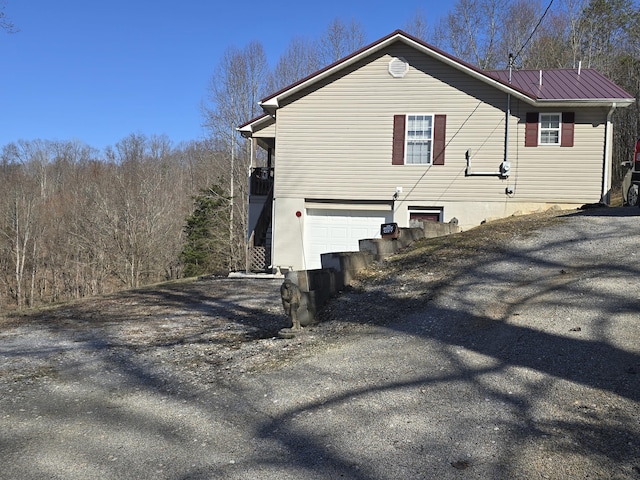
(563, 174)
(266, 132)
(335, 142)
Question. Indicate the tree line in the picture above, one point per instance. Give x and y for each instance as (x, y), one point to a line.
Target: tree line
(75, 221)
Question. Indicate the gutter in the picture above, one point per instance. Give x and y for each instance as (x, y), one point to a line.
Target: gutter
(608, 156)
(577, 103)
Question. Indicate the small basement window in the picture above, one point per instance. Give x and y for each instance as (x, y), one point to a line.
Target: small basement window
(424, 214)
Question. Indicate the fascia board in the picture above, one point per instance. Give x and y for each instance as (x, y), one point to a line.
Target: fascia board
(245, 131)
(258, 124)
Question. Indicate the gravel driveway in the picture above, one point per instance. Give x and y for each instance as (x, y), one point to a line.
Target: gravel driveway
(523, 364)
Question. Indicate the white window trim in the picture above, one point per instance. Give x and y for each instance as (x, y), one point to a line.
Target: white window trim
(540, 143)
(406, 137)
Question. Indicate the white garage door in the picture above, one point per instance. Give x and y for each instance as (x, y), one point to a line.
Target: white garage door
(339, 231)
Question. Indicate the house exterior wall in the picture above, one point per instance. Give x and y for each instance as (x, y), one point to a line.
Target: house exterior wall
(335, 143)
(288, 233)
(267, 132)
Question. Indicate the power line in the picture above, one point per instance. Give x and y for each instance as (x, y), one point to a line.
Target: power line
(533, 32)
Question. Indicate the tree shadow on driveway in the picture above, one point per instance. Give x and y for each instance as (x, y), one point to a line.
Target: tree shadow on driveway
(521, 363)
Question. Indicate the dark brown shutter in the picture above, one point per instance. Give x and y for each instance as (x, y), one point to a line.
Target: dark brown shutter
(397, 156)
(439, 139)
(531, 130)
(568, 121)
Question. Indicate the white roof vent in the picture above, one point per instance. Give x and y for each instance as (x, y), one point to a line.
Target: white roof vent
(398, 67)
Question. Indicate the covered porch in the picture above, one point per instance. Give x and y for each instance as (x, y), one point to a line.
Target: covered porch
(261, 182)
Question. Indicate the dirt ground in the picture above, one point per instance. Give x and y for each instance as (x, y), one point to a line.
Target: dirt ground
(213, 323)
(508, 351)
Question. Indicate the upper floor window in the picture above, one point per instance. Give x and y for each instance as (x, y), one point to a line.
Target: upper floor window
(419, 139)
(550, 128)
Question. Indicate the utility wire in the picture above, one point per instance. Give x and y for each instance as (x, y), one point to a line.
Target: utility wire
(533, 32)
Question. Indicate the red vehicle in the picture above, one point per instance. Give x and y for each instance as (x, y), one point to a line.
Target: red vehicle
(631, 181)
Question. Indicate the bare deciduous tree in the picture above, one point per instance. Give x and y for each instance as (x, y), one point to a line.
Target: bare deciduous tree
(237, 85)
(418, 26)
(74, 224)
(520, 21)
(301, 58)
(5, 22)
(471, 31)
(341, 39)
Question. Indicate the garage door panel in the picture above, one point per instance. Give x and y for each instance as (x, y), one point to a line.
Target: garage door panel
(339, 231)
(340, 234)
(356, 229)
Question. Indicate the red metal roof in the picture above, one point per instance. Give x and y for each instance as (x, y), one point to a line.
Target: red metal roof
(563, 84)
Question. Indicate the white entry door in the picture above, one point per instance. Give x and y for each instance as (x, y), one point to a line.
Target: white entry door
(339, 231)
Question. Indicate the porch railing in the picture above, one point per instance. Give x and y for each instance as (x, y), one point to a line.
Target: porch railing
(261, 181)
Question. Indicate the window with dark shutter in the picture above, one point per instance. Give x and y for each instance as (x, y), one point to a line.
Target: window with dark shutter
(416, 142)
(549, 129)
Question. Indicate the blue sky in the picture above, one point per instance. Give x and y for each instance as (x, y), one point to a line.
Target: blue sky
(97, 71)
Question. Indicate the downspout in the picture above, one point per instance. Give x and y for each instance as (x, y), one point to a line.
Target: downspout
(608, 156)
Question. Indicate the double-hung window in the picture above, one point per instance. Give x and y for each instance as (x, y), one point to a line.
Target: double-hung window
(550, 128)
(419, 139)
